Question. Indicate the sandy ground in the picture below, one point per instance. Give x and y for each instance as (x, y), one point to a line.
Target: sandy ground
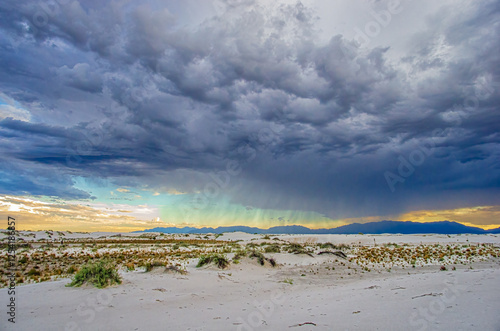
(300, 294)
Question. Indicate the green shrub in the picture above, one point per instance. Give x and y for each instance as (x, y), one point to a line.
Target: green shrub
(219, 260)
(260, 257)
(34, 272)
(272, 249)
(100, 274)
(238, 255)
(150, 265)
(327, 245)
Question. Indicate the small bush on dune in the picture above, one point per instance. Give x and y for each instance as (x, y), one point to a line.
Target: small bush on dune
(327, 245)
(34, 272)
(219, 260)
(150, 265)
(298, 249)
(100, 274)
(239, 254)
(272, 249)
(175, 269)
(260, 257)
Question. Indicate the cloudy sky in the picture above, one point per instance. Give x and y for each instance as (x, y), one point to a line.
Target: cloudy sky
(125, 115)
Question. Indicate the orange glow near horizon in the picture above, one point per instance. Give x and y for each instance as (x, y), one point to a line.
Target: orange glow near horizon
(33, 214)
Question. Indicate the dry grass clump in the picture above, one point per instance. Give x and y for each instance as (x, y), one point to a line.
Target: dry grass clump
(218, 259)
(151, 265)
(175, 269)
(274, 248)
(100, 274)
(298, 249)
(239, 255)
(261, 258)
(393, 254)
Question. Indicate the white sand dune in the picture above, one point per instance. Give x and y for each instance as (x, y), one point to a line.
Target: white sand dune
(247, 296)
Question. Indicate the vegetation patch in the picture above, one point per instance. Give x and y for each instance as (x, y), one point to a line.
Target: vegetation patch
(272, 249)
(259, 256)
(100, 274)
(298, 249)
(218, 259)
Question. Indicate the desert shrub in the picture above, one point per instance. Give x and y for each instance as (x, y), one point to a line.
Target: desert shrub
(34, 272)
(227, 249)
(327, 245)
(272, 249)
(239, 254)
(294, 247)
(219, 260)
(150, 265)
(260, 257)
(175, 269)
(71, 270)
(297, 249)
(100, 274)
(251, 245)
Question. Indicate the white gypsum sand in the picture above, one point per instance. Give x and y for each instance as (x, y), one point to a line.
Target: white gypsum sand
(303, 292)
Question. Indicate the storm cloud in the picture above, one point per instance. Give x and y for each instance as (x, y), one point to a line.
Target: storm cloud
(164, 96)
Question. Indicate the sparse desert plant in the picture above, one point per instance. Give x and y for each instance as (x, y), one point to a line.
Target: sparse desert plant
(34, 272)
(288, 281)
(298, 249)
(239, 254)
(175, 269)
(272, 249)
(260, 257)
(100, 274)
(150, 265)
(218, 259)
(327, 245)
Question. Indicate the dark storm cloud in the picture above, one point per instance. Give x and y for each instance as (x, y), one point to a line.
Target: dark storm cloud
(127, 91)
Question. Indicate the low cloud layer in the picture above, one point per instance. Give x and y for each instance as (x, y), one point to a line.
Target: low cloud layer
(159, 95)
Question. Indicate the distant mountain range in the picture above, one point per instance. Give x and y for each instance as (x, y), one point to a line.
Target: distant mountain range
(390, 227)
